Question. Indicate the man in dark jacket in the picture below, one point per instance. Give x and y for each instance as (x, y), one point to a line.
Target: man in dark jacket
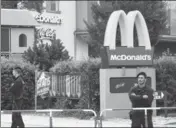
(17, 94)
(141, 95)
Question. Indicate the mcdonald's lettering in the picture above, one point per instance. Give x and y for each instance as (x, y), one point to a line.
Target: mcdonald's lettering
(130, 57)
(123, 56)
(127, 54)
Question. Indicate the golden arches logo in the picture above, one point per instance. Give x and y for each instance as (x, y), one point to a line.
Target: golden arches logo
(127, 55)
(126, 24)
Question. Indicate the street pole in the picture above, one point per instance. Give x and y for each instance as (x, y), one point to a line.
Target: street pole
(165, 104)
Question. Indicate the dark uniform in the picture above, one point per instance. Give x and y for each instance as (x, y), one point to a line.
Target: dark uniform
(138, 116)
(17, 93)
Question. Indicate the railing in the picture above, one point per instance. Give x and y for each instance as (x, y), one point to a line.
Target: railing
(55, 110)
(60, 85)
(6, 54)
(145, 111)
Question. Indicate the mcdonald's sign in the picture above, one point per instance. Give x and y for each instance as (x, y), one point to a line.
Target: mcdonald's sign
(127, 54)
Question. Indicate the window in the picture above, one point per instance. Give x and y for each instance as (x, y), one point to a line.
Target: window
(22, 40)
(52, 6)
(5, 39)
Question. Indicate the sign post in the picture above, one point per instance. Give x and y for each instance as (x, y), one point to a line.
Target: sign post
(43, 85)
(120, 65)
(165, 104)
(158, 95)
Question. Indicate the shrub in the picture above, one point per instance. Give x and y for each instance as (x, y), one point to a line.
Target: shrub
(45, 56)
(28, 74)
(166, 78)
(89, 71)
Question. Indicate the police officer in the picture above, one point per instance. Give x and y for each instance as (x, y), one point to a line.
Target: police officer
(141, 95)
(17, 88)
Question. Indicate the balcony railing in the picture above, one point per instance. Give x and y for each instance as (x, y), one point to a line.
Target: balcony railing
(6, 55)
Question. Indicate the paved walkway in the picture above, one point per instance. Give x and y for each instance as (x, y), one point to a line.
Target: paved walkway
(43, 121)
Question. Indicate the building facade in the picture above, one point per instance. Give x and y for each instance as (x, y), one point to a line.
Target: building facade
(17, 32)
(63, 20)
(72, 30)
(167, 42)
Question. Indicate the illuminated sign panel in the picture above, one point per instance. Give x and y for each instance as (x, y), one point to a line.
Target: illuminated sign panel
(123, 56)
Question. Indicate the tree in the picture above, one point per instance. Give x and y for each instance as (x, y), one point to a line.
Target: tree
(36, 5)
(154, 12)
(45, 56)
(9, 4)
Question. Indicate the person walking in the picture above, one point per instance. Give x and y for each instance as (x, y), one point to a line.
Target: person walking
(141, 95)
(17, 89)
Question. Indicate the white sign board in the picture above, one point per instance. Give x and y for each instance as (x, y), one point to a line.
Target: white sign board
(43, 83)
(158, 95)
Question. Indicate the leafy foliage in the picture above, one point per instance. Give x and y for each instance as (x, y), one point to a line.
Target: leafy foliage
(36, 5)
(89, 71)
(9, 4)
(154, 12)
(28, 4)
(45, 56)
(166, 78)
(7, 78)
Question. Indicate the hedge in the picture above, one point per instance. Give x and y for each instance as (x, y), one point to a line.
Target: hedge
(166, 78)
(28, 74)
(89, 71)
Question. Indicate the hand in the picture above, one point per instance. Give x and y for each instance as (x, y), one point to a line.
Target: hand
(145, 96)
(135, 84)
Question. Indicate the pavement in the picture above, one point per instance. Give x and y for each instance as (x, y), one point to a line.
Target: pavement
(43, 121)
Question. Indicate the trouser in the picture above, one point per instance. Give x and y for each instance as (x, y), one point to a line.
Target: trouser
(17, 120)
(138, 120)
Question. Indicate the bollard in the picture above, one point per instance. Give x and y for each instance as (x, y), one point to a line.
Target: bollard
(100, 121)
(51, 119)
(95, 122)
(146, 121)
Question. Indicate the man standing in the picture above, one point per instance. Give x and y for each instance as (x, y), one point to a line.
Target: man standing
(17, 94)
(141, 95)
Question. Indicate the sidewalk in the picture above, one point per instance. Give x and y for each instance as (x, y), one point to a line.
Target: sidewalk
(43, 121)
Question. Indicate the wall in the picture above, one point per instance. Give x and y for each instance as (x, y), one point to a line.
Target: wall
(17, 56)
(110, 100)
(65, 32)
(46, 30)
(15, 32)
(81, 49)
(172, 7)
(81, 14)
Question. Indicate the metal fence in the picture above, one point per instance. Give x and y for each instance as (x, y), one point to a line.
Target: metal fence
(60, 85)
(50, 111)
(145, 111)
(97, 121)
